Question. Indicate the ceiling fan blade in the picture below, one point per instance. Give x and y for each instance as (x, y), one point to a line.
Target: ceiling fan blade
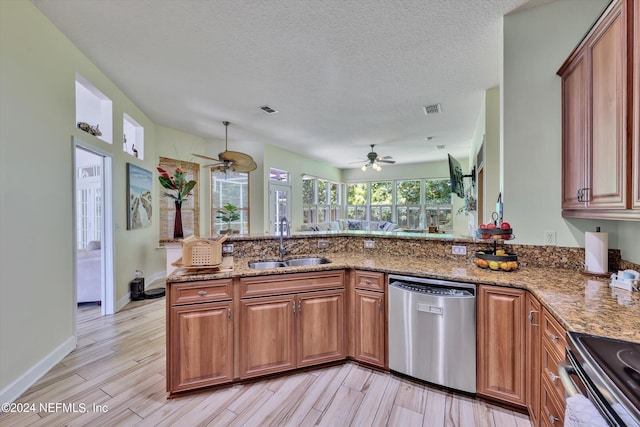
(205, 157)
(359, 161)
(385, 161)
(237, 167)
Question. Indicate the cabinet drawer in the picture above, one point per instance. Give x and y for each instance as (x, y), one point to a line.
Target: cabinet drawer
(550, 361)
(279, 284)
(553, 333)
(196, 292)
(551, 408)
(369, 280)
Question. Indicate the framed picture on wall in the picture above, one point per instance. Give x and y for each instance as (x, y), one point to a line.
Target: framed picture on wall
(139, 186)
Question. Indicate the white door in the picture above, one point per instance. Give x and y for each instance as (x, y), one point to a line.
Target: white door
(279, 205)
(93, 284)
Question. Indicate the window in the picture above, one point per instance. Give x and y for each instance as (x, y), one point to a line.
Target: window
(321, 200)
(357, 199)
(190, 207)
(381, 201)
(408, 204)
(412, 204)
(230, 187)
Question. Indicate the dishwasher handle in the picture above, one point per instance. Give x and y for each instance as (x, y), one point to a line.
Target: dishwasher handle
(428, 308)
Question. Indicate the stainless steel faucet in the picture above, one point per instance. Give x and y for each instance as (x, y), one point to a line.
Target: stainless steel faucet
(284, 226)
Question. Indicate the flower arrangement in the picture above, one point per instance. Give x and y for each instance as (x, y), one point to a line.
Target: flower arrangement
(178, 183)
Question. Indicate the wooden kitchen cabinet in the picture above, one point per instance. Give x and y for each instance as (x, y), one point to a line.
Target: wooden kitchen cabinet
(199, 334)
(533, 364)
(501, 344)
(296, 329)
(369, 329)
(368, 321)
(598, 127)
(554, 344)
(635, 115)
(320, 335)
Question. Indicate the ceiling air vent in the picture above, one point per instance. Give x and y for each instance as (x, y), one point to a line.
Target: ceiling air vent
(268, 109)
(432, 109)
(440, 147)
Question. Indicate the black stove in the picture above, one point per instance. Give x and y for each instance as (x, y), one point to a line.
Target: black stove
(611, 370)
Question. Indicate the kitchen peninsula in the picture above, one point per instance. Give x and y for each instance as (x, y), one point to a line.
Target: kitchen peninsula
(222, 303)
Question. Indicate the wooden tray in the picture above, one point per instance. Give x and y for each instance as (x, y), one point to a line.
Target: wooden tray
(225, 265)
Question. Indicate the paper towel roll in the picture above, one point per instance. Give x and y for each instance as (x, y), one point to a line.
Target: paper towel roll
(596, 252)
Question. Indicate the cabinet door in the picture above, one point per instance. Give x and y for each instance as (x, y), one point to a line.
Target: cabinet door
(574, 133)
(267, 327)
(533, 358)
(501, 343)
(635, 116)
(320, 335)
(201, 345)
(607, 155)
(369, 328)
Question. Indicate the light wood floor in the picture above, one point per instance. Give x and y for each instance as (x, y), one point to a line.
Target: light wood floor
(119, 366)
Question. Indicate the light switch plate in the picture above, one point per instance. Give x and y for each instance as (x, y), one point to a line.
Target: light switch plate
(227, 249)
(323, 244)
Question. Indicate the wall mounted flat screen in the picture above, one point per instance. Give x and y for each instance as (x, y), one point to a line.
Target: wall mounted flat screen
(456, 176)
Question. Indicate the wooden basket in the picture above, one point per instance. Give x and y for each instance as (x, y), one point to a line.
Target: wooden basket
(200, 252)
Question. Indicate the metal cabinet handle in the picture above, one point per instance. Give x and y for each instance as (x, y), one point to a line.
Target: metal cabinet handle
(531, 318)
(553, 419)
(380, 305)
(554, 337)
(202, 293)
(553, 377)
(299, 306)
(294, 306)
(228, 313)
(368, 282)
(579, 194)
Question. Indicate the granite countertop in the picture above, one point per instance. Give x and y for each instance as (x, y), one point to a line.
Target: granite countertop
(579, 303)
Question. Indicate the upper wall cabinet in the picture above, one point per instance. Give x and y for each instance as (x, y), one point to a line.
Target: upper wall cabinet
(600, 119)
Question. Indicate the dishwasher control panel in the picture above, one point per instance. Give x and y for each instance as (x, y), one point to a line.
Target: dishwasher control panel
(424, 288)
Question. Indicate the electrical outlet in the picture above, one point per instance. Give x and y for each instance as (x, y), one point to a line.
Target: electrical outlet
(227, 249)
(323, 244)
(458, 250)
(550, 238)
(369, 244)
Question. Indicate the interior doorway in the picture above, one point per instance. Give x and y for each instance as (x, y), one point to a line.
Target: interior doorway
(92, 237)
(279, 205)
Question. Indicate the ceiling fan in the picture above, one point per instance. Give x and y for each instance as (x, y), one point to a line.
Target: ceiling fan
(234, 160)
(373, 160)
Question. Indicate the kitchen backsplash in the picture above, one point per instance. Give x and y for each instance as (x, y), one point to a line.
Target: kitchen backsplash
(555, 257)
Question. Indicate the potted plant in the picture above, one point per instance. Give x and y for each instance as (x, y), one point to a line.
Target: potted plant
(228, 214)
(180, 190)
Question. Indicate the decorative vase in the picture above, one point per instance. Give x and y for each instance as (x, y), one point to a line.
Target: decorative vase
(177, 223)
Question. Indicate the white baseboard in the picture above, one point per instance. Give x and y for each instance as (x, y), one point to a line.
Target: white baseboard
(160, 275)
(127, 298)
(37, 371)
(122, 302)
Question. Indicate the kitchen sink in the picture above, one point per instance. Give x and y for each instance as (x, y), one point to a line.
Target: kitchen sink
(294, 262)
(267, 264)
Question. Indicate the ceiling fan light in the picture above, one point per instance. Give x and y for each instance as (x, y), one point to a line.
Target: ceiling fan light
(364, 168)
(377, 167)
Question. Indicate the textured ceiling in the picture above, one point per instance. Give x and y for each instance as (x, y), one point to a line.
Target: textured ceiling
(342, 74)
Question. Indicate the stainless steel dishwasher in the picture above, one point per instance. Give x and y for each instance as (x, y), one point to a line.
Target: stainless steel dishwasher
(432, 331)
